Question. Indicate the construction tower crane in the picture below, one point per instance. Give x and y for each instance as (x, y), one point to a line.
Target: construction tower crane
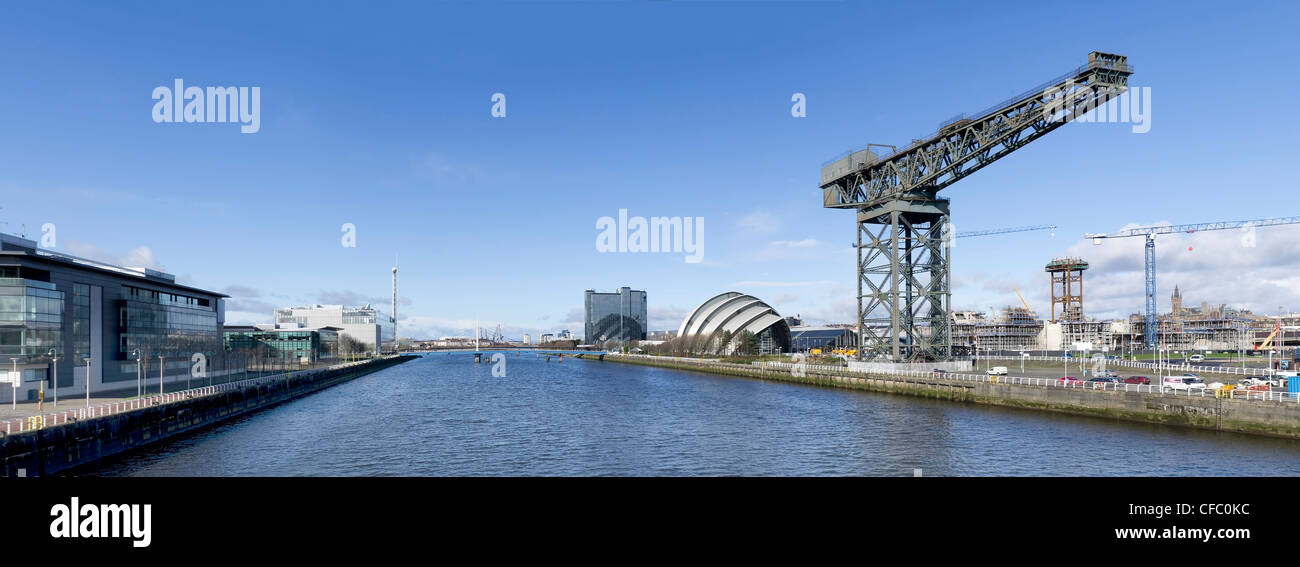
(971, 233)
(1150, 233)
(993, 231)
(905, 260)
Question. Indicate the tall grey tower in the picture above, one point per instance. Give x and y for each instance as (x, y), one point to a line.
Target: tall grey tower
(396, 338)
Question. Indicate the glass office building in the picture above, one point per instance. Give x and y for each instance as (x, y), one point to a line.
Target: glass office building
(618, 316)
(299, 345)
(367, 325)
(60, 311)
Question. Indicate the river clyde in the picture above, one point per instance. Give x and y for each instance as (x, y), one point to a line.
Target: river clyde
(443, 415)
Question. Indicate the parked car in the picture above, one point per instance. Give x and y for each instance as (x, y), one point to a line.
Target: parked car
(1069, 380)
(1109, 374)
(1137, 380)
(998, 371)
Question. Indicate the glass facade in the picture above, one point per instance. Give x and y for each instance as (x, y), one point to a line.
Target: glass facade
(296, 344)
(615, 316)
(31, 317)
(169, 324)
(80, 322)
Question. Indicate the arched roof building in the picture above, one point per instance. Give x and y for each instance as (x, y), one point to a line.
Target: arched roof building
(737, 312)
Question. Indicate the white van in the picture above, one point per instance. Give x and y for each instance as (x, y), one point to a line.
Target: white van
(998, 371)
(1196, 358)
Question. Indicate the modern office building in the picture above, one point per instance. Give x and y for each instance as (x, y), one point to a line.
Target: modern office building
(368, 325)
(804, 339)
(296, 345)
(60, 310)
(619, 316)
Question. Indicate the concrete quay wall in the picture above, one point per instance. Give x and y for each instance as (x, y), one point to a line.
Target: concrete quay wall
(80, 445)
(1259, 417)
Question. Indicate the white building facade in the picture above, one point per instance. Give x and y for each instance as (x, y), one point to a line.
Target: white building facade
(368, 325)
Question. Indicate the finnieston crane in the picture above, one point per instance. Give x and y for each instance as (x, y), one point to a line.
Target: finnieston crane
(906, 262)
(1150, 233)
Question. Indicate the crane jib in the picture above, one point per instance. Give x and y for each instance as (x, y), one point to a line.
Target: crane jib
(965, 145)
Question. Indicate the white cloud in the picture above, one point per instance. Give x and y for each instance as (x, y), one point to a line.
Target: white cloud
(760, 222)
(138, 257)
(805, 243)
(759, 283)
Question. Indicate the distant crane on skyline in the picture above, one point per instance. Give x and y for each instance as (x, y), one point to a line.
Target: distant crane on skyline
(1150, 233)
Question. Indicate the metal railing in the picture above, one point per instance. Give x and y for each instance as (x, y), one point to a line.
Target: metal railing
(50, 419)
(844, 371)
(1185, 367)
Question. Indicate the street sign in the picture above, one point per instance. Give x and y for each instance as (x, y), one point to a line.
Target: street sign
(13, 378)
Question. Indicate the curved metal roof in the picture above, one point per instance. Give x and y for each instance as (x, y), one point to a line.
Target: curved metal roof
(729, 311)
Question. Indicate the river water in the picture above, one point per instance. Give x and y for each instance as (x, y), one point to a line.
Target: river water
(444, 415)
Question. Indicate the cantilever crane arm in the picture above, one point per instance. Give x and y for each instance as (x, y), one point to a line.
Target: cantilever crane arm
(1004, 230)
(959, 148)
(1191, 228)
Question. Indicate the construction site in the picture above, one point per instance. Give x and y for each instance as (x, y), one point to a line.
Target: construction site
(1217, 328)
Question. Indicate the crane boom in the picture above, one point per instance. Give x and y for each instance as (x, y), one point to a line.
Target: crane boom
(969, 234)
(1197, 227)
(1022, 300)
(966, 144)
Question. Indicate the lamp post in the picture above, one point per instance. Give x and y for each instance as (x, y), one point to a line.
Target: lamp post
(87, 381)
(16, 379)
(161, 367)
(136, 355)
(56, 377)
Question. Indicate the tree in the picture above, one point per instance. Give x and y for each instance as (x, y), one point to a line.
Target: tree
(724, 342)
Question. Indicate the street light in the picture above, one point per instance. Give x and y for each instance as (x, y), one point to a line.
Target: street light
(161, 367)
(87, 382)
(136, 355)
(56, 378)
(16, 379)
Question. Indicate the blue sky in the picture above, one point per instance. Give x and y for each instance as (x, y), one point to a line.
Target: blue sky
(379, 115)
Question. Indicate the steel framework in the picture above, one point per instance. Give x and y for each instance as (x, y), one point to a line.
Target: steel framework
(1067, 288)
(904, 266)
